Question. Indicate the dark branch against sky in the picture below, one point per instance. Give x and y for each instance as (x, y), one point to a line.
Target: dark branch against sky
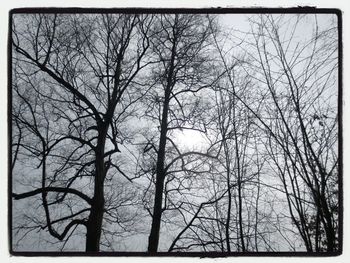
(175, 132)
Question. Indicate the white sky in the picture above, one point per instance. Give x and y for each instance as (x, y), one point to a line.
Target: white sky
(7, 5)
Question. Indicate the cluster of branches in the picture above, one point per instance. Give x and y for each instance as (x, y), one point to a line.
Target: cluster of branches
(99, 106)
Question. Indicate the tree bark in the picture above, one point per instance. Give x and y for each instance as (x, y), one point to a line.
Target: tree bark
(153, 239)
(330, 233)
(94, 224)
(229, 204)
(158, 198)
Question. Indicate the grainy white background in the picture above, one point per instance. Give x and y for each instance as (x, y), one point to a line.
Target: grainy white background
(6, 5)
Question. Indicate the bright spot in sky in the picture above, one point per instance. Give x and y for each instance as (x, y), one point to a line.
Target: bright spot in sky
(190, 139)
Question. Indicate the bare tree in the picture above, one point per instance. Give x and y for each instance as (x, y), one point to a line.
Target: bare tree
(299, 78)
(101, 105)
(87, 62)
(180, 46)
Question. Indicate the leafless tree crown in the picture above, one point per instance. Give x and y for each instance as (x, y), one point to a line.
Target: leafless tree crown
(175, 132)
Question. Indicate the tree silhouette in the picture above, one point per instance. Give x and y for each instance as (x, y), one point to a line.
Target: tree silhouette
(79, 68)
(104, 107)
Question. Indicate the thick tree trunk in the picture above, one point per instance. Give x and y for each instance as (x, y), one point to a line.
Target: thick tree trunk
(330, 233)
(317, 230)
(153, 239)
(94, 224)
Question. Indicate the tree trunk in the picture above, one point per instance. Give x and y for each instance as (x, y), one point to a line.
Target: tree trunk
(229, 204)
(239, 188)
(94, 224)
(153, 239)
(330, 233)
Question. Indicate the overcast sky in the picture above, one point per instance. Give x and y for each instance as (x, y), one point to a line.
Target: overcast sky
(227, 19)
